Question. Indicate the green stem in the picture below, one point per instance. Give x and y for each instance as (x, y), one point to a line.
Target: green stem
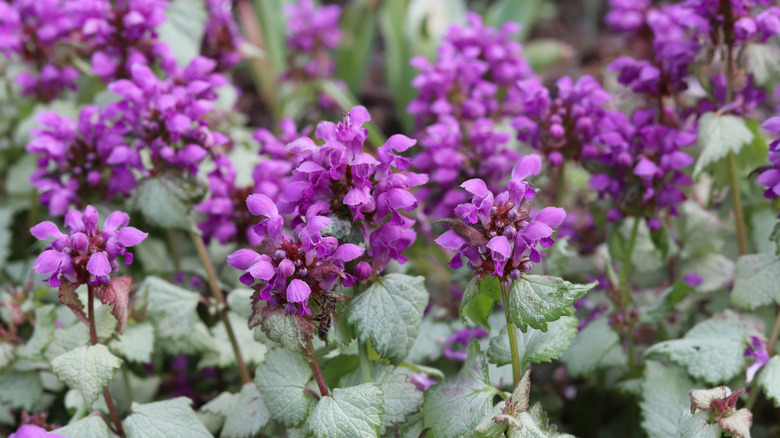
(770, 348)
(222, 305)
(517, 372)
(93, 338)
(365, 365)
(732, 161)
(175, 252)
(626, 293)
(561, 185)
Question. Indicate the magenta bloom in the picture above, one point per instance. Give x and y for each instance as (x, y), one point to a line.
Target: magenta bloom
(292, 269)
(222, 39)
(312, 32)
(770, 178)
(507, 239)
(87, 254)
(33, 431)
(455, 346)
(757, 350)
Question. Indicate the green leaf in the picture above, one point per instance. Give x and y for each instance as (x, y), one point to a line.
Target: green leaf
(427, 346)
(89, 369)
(544, 53)
(282, 380)
(22, 390)
(354, 51)
(389, 314)
(716, 271)
(171, 307)
(525, 13)
(536, 425)
(213, 413)
(349, 412)
(697, 425)
(589, 347)
(197, 341)
(455, 407)
(67, 339)
(288, 331)
(163, 203)
(184, 28)
(698, 230)
(719, 135)
(664, 303)
(478, 300)
(92, 426)
(400, 397)
(664, 396)
(535, 346)
(762, 61)
(6, 236)
(535, 300)
(769, 380)
(136, 344)
(43, 333)
(170, 418)
(712, 351)
(248, 415)
(398, 50)
(756, 281)
(252, 351)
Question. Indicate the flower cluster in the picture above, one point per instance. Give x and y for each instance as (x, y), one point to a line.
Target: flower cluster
(87, 255)
(564, 127)
(123, 34)
(222, 39)
(770, 178)
(84, 159)
(166, 115)
(228, 218)
(627, 15)
(470, 89)
(339, 179)
(276, 146)
(640, 165)
(312, 32)
(293, 269)
(33, 31)
(497, 234)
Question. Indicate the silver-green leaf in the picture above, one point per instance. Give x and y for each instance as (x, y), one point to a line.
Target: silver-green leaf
(712, 351)
(455, 407)
(535, 346)
(756, 281)
(769, 380)
(164, 419)
(719, 135)
(248, 415)
(282, 380)
(589, 348)
(664, 395)
(353, 412)
(89, 369)
(535, 300)
(389, 314)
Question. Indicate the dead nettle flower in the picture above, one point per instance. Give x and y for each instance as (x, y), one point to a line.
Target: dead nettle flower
(496, 234)
(88, 255)
(293, 269)
(758, 350)
(720, 402)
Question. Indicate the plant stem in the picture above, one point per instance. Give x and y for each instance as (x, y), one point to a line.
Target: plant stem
(223, 309)
(365, 365)
(517, 373)
(93, 338)
(561, 185)
(175, 252)
(732, 161)
(315, 368)
(626, 293)
(773, 337)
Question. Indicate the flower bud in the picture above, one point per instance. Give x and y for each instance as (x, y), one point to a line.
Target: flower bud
(514, 274)
(286, 268)
(555, 158)
(510, 232)
(302, 272)
(363, 270)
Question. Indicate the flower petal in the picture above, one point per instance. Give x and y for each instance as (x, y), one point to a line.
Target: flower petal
(552, 216)
(476, 186)
(98, 264)
(500, 244)
(130, 236)
(348, 252)
(527, 166)
(298, 291)
(261, 205)
(45, 230)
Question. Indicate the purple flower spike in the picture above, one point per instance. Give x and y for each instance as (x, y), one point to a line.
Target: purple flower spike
(88, 254)
(506, 243)
(33, 431)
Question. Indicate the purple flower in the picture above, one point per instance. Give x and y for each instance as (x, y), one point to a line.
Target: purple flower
(222, 38)
(455, 346)
(470, 89)
(421, 381)
(33, 431)
(294, 270)
(88, 254)
(87, 161)
(373, 191)
(506, 242)
(770, 178)
(627, 15)
(757, 350)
